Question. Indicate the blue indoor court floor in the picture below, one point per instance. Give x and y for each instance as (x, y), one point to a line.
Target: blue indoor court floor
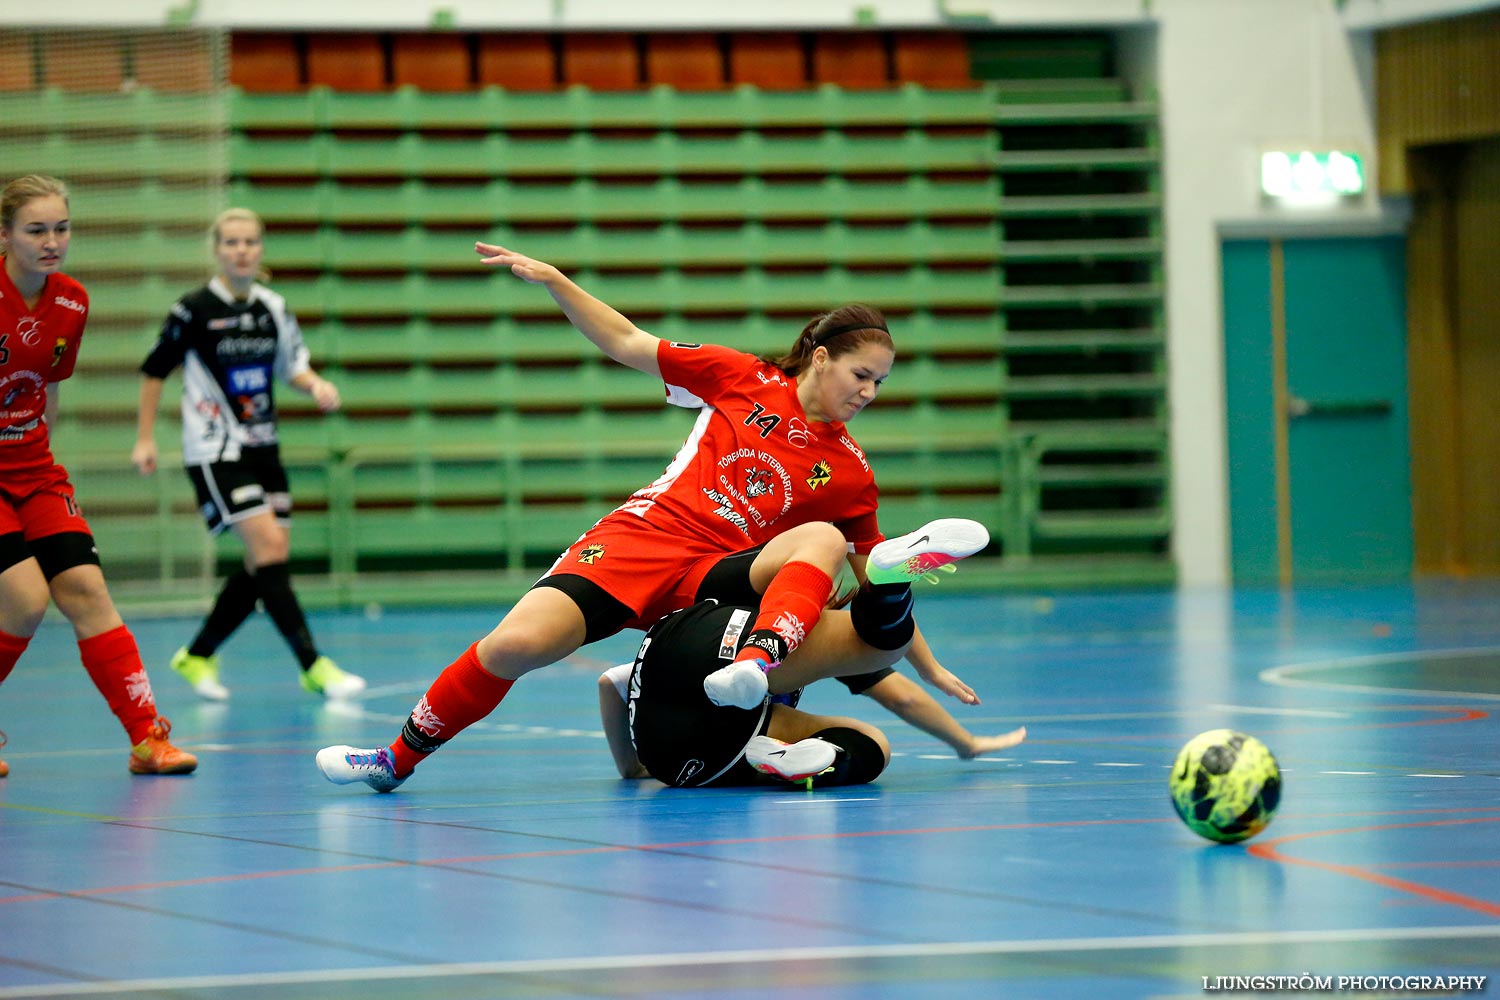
(516, 864)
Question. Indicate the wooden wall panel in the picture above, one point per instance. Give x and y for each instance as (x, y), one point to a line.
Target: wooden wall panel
(1432, 365)
(1453, 336)
(1437, 81)
(1477, 322)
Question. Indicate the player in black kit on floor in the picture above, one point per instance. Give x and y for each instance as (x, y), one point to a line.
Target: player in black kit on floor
(660, 723)
(673, 733)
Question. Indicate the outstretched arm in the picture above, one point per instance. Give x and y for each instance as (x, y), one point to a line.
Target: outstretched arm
(615, 717)
(921, 657)
(908, 701)
(606, 327)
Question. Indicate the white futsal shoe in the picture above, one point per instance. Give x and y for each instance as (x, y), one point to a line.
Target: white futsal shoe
(790, 761)
(930, 549)
(344, 765)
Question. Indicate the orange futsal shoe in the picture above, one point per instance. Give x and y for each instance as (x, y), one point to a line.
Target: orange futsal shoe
(154, 755)
(4, 767)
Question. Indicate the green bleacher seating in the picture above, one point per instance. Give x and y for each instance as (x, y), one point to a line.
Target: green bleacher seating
(1011, 230)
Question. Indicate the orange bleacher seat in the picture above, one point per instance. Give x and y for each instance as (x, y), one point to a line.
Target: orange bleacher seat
(346, 61)
(432, 62)
(854, 59)
(83, 61)
(932, 58)
(518, 62)
(524, 61)
(17, 57)
(176, 63)
(769, 60)
(265, 62)
(601, 61)
(687, 61)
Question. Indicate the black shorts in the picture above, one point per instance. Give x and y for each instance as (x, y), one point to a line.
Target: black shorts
(232, 491)
(680, 736)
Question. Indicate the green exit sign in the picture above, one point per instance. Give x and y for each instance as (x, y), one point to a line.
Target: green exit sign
(1307, 176)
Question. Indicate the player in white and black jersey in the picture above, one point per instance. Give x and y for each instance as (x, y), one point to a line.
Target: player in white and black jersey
(234, 339)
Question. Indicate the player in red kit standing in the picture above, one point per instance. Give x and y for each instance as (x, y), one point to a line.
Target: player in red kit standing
(46, 549)
(769, 465)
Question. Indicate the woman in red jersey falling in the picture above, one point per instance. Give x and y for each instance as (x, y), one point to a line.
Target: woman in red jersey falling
(46, 550)
(769, 471)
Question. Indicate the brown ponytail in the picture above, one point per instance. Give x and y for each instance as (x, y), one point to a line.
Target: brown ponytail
(842, 330)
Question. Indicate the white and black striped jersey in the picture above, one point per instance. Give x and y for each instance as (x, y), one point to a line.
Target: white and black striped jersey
(231, 352)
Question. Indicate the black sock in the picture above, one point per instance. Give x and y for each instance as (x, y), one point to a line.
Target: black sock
(235, 603)
(275, 585)
(881, 615)
(859, 759)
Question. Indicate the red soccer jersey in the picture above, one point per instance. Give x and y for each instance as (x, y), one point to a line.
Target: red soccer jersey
(754, 465)
(37, 346)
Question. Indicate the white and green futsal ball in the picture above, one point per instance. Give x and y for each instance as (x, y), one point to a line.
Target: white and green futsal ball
(1225, 785)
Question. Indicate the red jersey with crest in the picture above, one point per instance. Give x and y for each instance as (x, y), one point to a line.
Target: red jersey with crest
(37, 346)
(754, 464)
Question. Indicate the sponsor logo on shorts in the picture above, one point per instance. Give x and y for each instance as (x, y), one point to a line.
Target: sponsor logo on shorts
(591, 554)
(688, 772)
(245, 494)
(729, 643)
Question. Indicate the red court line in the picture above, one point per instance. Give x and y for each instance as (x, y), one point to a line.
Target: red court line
(1463, 715)
(523, 855)
(205, 880)
(1264, 850)
(1270, 852)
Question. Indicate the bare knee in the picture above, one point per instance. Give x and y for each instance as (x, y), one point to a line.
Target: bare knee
(23, 599)
(821, 543)
(540, 630)
(817, 543)
(266, 542)
(81, 595)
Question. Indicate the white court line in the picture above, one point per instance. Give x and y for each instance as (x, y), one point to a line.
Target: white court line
(1286, 675)
(763, 957)
(1253, 710)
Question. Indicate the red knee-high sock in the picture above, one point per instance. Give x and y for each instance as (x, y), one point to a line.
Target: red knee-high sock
(114, 664)
(463, 694)
(11, 648)
(789, 609)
